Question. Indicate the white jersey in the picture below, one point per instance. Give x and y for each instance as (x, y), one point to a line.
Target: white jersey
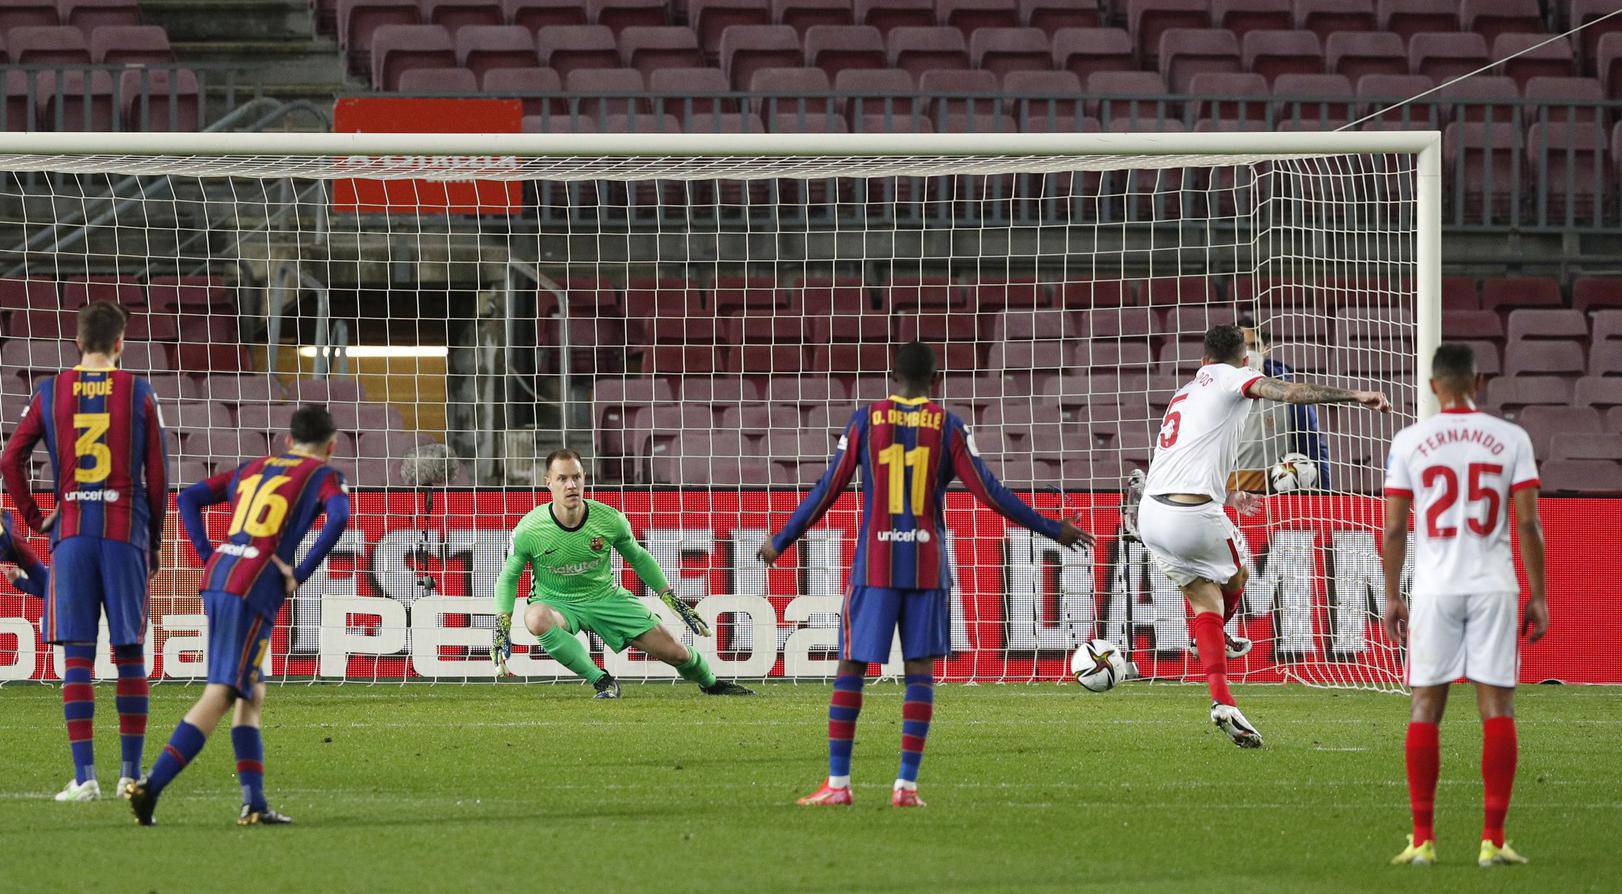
(1199, 438)
(1461, 467)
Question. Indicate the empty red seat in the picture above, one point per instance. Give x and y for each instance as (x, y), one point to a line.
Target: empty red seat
(397, 49)
(1553, 59)
(1133, 95)
(1504, 293)
(690, 91)
(1544, 358)
(960, 93)
(1585, 12)
(1445, 56)
(837, 48)
(1568, 169)
(1511, 394)
(1356, 54)
(1530, 324)
(617, 15)
(878, 92)
(1605, 359)
(918, 50)
(1238, 96)
(1184, 52)
(1596, 293)
(1472, 325)
(47, 46)
(1566, 100)
(1409, 17)
(712, 18)
(483, 48)
(1051, 15)
(454, 15)
(1315, 98)
(1325, 17)
(649, 49)
(887, 14)
(1149, 19)
(1084, 51)
(1459, 293)
(534, 15)
(1585, 445)
(1043, 95)
(570, 47)
(74, 100)
(1583, 476)
(1599, 391)
(1004, 50)
(88, 15)
(746, 49)
(157, 99)
(802, 14)
(130, 45)
(28, 14)
(802, 121)
(969, 16)
(1243, 16)
(623, 88)
(531, 84)
(1488, 98)
(358, 20)
(1274, 53)
(438, 80)
(1485, 164)
(1492, 18)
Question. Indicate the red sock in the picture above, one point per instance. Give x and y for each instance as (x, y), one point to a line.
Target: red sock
(1424, 763)
(1230, 604)
(1498, 753)
(1213, 655)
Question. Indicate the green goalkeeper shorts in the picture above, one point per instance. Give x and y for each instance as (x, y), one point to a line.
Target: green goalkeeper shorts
(617, 619)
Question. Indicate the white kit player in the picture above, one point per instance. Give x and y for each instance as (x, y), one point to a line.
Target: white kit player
(1181, 520)
(1460, 471)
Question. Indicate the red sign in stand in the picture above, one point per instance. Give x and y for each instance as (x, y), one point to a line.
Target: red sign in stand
(367, 114)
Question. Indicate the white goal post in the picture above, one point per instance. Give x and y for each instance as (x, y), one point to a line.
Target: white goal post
(698, 315)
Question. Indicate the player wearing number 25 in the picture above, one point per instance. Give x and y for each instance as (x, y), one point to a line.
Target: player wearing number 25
(909, 449)
(275, 500)
(105, 438)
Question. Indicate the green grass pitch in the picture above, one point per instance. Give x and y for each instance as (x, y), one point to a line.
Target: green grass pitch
(1030, 787)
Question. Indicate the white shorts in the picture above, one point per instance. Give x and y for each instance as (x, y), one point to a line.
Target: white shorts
(1191, 542)
(1471, 635)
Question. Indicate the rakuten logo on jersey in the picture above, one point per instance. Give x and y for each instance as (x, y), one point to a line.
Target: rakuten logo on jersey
(91, 496)
(241, 550)
(903, 536)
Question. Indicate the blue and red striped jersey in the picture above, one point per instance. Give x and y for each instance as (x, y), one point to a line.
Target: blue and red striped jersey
(275, 500)
(109, 457)
(909, 450)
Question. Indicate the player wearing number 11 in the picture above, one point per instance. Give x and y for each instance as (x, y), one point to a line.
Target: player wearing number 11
(275, 500)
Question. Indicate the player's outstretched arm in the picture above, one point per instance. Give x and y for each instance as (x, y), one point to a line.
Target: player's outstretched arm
(1393, 553)
(501, 644)
(841, 468)
(336, 508)
(1308, 393)
(14, 466)
(648, 571)
(991, 493)
(1529, 528)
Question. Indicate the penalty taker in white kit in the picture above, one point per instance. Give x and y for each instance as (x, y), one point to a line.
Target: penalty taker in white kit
(566, 545)
(1181, 519)
(1459, 471)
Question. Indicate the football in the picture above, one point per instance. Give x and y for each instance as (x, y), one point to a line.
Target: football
(1098, 665)
(1294, 471)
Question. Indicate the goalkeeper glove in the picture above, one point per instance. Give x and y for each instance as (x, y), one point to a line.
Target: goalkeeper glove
(685, 612)
(502, 648)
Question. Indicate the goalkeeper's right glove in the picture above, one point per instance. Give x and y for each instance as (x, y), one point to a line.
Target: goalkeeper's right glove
(502, 647)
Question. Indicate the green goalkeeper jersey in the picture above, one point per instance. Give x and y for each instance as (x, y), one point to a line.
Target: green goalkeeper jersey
(573, 564)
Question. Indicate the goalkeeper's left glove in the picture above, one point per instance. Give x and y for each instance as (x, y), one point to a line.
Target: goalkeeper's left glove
(685, 612)
(501, 648)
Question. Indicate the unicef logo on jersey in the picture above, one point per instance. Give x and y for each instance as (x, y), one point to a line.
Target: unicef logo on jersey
(903, 536)
(91, 496)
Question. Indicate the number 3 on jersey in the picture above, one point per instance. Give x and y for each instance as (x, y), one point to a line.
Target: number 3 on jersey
(260, 509)
(90, 444)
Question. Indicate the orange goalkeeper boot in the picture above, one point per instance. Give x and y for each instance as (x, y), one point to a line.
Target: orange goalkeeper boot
(827, 796)
(906, 797)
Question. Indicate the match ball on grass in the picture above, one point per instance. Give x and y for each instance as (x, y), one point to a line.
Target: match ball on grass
(1098, 665)
(1294, 471)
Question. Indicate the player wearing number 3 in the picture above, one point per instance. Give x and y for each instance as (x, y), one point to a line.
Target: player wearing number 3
(1181, 520)
(105, 437)
(275, 500)
(1460, 470)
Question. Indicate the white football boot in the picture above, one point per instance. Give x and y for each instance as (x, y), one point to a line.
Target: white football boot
(1230, 720)
(124, 785)
(89, 790)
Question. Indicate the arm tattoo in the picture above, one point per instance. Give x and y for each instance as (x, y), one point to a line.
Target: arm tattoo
(1301, 392)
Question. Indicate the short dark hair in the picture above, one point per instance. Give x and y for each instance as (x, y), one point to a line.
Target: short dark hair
(561, 453)
(101, 325)
(915, 364)
(312, 425)
(1454, 363)
(1224, 343)
(1263, 335)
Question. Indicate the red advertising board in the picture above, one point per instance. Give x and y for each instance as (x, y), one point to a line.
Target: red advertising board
(1021, 604)
(370, 114)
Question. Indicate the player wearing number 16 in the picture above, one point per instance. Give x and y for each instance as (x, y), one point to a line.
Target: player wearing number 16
(909, 449)
(105, 437)
(275, 500)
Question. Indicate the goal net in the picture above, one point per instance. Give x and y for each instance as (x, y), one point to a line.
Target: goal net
(699, 317)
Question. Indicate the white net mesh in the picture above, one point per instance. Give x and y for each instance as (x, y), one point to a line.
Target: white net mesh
(701, 329)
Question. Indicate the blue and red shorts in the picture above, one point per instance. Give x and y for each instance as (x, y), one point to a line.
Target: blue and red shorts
(90, 575)
(238, 641)
(871, 615)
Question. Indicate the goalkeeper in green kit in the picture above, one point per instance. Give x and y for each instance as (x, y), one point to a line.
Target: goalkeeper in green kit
(566, 544)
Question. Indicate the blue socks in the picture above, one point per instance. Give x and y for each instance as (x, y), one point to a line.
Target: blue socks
(916, 712)
(131, 702)
(79, 708)
(250, 751)
(843, 710)
(184, 745)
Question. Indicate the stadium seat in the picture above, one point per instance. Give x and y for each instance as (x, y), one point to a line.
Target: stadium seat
(1544, 358)
(723, 122)
(1325, 17)
(1335, 102)
(1567, 166)
(1494, 18)
(1605, 358)
(1585, 446)
(1149, 19)
(1185, 52)
(713, 18)
(1598, 294)
(156, 99)
(746, 49)
(1600, 392)
(1585, 12)
(878, 92)
(397, 49)
(617, 15)
(533, 15)
(484, 48)
(1084, 51)
(1566, 100)
(1244, 16)
(837, 48)
(686, 92)
(802, 14)
(1445, 56)
(28, 14)
(533, 84)
(1356, 54)
(1409, 17)
(1238, 96)
(423, 81)
(31, 45)
(650, 49)
(785, 91)
(1043, 94)
(130, 45)
(917, 50)
(969, 16)
(1589, 476)
(358, 20)
(74, 100)
(1274, 53)
(915, 293)
(1459, 293)
(1551, 60)
(1052, 15)
(1486, 164)
(1510, 292)
(1533, 324)
(570, 47)
(1483, 98)
(1472, 325)
(887, 14)
(1130, 95)
(960, 93)
(88, 15)
(1511, 394)
(1005, 50)
(454, 15)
